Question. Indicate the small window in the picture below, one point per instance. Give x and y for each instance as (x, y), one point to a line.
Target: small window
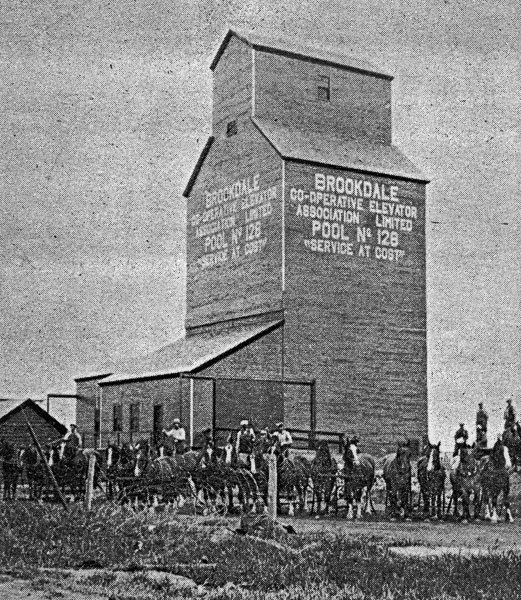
(97, 421)
(117, 413)
(324, 87)
(231, 128)
(134, 417)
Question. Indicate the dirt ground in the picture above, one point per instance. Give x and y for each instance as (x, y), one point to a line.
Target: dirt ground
(500, 537)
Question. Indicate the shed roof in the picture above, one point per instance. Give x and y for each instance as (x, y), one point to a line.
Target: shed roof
(332, 150)
(10, 407)
(189, 354)
(290, 48)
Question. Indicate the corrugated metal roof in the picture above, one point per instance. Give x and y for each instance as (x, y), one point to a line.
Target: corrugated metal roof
(188, 353)
(315, 147)
(290, 48)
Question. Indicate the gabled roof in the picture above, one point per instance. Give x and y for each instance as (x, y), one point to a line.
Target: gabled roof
(290, 48)
(10, 407)
(314, 147)
(189, 353)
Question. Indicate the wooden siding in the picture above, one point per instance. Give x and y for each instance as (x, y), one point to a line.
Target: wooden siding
(248, 283)
(286, 91)
(359, 324)
(232, 87)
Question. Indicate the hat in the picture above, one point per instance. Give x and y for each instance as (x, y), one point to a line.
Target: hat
(73, 425)
(264, 432)
(480, 404)
(279, 425)
(462, 424)
(509, 399)
(244, 422)
(176, 421)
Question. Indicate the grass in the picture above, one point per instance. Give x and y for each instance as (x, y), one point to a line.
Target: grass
(35, 536)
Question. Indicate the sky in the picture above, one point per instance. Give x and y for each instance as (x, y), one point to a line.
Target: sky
(106, 107)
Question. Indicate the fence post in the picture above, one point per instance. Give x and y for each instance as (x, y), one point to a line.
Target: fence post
(89, 492)
(272, 488)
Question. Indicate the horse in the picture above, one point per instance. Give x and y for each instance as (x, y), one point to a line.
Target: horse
(397, 477)
(10, 456)
(35, 471)
(431, 477)
(323, 476)
(495, 480)
(465, 479)
(512, 440)
(293, 475)
(69, 466)
(359, 474)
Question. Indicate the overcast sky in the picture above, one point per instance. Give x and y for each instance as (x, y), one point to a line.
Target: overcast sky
(105, 108)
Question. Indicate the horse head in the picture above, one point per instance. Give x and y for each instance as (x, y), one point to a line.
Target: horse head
(351, 458)
(403, 457)
(500, 455)
(433, 455)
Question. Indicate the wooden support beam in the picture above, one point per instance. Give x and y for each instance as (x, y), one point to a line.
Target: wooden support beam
(47, 467)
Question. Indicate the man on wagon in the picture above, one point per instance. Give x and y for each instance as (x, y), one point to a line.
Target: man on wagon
(481, 426)
(72, 438)
(509, 415)
(175, 438)
(460, 438)
(245, 440)
(284, 437)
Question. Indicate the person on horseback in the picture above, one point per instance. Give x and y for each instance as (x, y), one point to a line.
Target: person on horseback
(509, 415)
(175, 438)
(284, 438)
(245, 440)
(460, 438)
(481, 426)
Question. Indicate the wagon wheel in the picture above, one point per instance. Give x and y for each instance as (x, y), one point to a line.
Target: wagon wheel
(214, 504)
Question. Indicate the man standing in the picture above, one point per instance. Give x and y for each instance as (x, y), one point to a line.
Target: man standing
(481, 426)
(510, 415)
(73, 438)
(460, 438)
(245, 439)
(175, 438)
(285, 439)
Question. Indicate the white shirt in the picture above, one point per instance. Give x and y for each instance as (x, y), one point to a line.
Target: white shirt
(178, 434)
(284, 437)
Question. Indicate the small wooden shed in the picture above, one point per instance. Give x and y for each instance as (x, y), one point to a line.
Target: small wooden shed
(13, 425)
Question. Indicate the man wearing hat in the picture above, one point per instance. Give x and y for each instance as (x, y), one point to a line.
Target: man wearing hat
(245, 439)
(284, 438)
(175, 438)
(460, 438)
(510, 415)
(481, 426)
(73, 438)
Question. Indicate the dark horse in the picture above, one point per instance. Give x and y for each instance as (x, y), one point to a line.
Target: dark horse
(495, 480)
(35, 472)
(466, 482)
(11, 468)
(323, 475)
(431, 477)
(397, 477)
(293, 475)
(69, 466)
(359, 474)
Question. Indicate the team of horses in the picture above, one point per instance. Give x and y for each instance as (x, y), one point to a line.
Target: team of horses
(217, 479)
